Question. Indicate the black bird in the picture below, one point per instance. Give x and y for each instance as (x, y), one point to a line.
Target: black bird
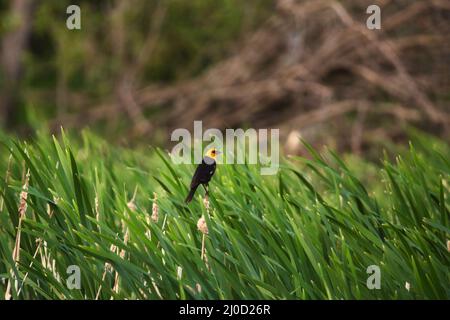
(203, 173)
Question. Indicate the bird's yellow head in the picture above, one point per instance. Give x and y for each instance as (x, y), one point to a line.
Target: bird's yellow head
(212, 153)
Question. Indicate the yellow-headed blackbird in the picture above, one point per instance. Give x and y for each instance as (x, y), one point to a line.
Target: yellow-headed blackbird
(203, 173)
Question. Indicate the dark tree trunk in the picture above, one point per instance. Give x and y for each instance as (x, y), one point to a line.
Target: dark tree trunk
(12, 47)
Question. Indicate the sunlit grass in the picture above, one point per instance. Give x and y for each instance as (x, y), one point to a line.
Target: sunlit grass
(309, 232)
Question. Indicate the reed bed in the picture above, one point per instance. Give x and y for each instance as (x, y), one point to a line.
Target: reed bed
(309, 232)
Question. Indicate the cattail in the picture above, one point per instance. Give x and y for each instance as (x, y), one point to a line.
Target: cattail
(47, 261)
(407, 285)
(203, 228)
(156, 289)
(122, 255)
(155, 208)
(179, 272)
(107, 268)
(49, 210)
(125, 241)
(131, 205)
(16, 250)
(148, 233)
(97, 211)
(116, 283)
(39, 243)
(24, 196)
(201, 225)
(206, 202)
(205, 258)
(126, 236)
(448, 245)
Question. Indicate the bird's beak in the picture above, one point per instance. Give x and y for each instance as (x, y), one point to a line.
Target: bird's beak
(218, 152)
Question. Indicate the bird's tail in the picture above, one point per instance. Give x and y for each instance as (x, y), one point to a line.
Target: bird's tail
(191, 194)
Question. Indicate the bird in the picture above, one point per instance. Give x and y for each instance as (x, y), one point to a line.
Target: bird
(203, 173)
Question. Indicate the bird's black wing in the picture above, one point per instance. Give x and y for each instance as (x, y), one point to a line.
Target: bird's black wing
(198, 175)
(203, 173)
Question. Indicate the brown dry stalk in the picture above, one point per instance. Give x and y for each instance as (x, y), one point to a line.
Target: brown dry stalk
(155, 214)
(122, 255)
(125, 241)
(97, 211)
(47, 261)
(39, 241)
(46, 258)
(162, 230)
(203, 228)
(132, 206)
(155, 208)
(107, 268)
(16, 250)
(203, 247)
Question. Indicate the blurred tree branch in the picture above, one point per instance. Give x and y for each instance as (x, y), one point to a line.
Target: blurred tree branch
(311, 62)
(127, 81)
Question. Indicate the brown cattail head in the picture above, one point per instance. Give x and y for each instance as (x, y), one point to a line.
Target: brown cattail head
(125, 241)
(206, 202)
(24, 196)
(448, 245)
(155, 209)
(49, 210)
(131, 205)
(201, 225)
(114, 249)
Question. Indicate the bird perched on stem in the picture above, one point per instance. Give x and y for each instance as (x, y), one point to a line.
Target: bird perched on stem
(203, 173)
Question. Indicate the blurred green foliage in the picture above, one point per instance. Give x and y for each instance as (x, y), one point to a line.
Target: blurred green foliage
(192, 36)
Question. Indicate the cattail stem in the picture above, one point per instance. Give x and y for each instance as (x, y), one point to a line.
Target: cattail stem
(113, 249)
(16, 250)
(203, 247)
(203, 228)
(101, 284)
(131, 205)
(162, 230)
(31, 264)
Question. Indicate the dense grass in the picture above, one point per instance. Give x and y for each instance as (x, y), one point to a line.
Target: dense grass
(309, 232)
